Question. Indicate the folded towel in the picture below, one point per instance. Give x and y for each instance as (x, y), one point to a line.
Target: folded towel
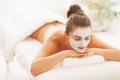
(77, 62)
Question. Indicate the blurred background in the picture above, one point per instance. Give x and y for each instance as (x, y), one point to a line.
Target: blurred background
(104, 14)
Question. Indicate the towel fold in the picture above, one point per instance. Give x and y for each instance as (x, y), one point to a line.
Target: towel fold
(77, 62)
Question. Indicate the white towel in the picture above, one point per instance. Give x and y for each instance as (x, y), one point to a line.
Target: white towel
(77, 62)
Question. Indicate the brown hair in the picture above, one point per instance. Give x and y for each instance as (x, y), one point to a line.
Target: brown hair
(76, 17)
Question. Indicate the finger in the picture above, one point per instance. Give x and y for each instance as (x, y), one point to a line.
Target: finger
(91, 53)
(84, 52)
(81, 55)
(87, 49)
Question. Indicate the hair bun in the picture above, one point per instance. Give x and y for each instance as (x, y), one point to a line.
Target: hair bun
(74, 9)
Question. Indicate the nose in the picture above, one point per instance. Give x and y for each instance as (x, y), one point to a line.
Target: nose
(83, 43)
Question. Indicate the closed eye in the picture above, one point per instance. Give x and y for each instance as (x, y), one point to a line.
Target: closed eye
(77, 38)
(87, 38)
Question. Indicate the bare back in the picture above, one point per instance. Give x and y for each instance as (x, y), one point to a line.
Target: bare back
(53, 38)
(47, 30)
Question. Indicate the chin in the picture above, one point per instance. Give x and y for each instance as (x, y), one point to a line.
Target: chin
(81, 51)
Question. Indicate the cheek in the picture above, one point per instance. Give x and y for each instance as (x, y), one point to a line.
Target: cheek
(87, 42)
(73, 43)
(84, 43)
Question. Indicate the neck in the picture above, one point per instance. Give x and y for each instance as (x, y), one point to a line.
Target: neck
(67, 42)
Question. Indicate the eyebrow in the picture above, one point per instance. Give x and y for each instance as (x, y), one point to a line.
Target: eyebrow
(77, 36)
(88, 36)
(80, 36)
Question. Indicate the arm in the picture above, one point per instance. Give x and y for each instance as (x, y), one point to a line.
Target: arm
(108, 54)
(105, 50)
(97, 43)
(49, 56)
(45, 60)
(44, 64)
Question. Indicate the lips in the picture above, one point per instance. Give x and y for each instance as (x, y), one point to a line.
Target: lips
(81, 48)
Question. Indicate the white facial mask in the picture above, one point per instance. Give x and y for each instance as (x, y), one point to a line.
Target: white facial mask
(80, 45)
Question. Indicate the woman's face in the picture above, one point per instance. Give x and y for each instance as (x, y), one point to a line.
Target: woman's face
(79, 39)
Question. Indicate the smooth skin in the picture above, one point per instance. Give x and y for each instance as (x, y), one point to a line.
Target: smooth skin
(56, 47)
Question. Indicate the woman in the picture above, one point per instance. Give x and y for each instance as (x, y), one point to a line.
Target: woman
(59, 42)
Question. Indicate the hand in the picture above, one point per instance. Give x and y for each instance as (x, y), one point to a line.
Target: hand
(92, 51)
(72, 53)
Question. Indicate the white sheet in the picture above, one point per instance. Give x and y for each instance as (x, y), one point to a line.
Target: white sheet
(104, 71)
(99, 70)
(25, 52)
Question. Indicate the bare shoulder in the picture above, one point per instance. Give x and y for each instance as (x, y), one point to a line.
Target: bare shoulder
(57, 36)
(98, 43)
(51, 45)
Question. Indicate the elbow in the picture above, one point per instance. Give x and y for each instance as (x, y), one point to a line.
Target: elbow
(34, 70)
